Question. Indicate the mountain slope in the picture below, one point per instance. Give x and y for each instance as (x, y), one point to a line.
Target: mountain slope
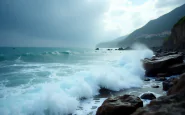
(154, 32)
(111, 44)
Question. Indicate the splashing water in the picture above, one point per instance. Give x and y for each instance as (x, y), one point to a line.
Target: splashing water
(55, 88)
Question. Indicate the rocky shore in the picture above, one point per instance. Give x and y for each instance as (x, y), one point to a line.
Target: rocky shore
(160, 68)
(166, 66)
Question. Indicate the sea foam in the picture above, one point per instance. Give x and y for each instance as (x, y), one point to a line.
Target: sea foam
(61, 96)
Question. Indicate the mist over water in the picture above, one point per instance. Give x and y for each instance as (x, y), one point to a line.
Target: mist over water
(51, 81)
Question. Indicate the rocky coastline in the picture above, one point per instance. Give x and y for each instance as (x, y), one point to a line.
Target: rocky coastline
(167, 63)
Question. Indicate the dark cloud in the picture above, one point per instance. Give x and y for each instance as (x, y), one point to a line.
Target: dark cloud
(169, 3)
(69, 20)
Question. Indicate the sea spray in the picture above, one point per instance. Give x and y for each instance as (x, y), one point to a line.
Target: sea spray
(61, 92)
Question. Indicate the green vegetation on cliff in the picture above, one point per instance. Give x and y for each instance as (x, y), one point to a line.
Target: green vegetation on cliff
(182, 20)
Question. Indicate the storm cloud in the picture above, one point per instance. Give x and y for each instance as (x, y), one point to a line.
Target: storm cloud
(66, 20)
(82, 23)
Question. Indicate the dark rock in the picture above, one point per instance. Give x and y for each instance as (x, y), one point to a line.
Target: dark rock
(160, 79)
(167, 84)
(149, 96)
(179, 86)
(97, 49)
(166, 53)
(173, 104)
(177, 68)
(165, 105)
(163, 75)
(121, 105)
(155, 86)
(108, 49)
(160, 64)
(146, 79)
(120, 49)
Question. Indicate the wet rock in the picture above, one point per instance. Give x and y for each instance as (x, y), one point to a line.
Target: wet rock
(155, 86)
(173, 104)
(120, 49)
(149, 96)
(177, 68)
(120, 105)
(146, 79)
(158, 65)
(166, 53)
(167, 84)
(97, 49)
(165, 105)
(160, 79)
(179, 86)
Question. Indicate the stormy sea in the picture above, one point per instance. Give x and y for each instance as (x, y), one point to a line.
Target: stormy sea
(62, 81)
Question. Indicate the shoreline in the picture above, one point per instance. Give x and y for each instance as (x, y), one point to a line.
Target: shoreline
(158, 92)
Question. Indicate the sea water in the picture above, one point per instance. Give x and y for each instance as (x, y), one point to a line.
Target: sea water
(52, 81)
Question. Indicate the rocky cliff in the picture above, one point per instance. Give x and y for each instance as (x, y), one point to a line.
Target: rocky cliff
(176, 41)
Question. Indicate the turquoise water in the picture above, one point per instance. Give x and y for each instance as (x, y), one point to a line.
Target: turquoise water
(51, 81)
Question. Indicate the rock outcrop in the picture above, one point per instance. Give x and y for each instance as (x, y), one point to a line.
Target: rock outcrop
(167, 84)
(149, 96)
(165, 105)
(179, 86)
(163, 64)
(173, 104)
(177, 39)
(120, 105)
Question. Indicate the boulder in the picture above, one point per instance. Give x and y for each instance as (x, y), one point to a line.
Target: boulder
(179, 86)
(155, 86)
(158, 65)
(120, 105)
(97, 49)
(149, 96)
(165, 105)
(167, 84)
(120, 49)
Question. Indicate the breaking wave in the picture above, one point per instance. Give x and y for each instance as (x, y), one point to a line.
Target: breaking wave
(61, 95)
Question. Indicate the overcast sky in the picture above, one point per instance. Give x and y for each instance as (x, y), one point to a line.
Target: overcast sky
(67, 23)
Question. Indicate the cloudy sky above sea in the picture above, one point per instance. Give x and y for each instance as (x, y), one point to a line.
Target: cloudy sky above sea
(74, 23)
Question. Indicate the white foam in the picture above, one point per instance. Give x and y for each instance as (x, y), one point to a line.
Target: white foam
(61, 95)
